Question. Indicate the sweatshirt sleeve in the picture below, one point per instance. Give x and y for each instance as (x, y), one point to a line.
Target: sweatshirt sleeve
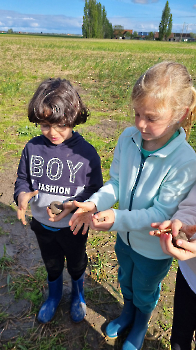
(108, 195)
(187, 209)
(23, 182)
(94, 179)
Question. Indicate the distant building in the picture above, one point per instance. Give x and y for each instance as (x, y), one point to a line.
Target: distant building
(143, 34)
(127, 34)
(172, 37)
(123, 34)
(128, 31)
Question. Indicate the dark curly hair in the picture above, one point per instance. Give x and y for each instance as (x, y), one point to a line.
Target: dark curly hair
(56, 101)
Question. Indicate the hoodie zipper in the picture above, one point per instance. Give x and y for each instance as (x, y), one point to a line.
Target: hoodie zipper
(143, 159)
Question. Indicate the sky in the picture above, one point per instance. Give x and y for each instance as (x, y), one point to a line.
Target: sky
(65, 16)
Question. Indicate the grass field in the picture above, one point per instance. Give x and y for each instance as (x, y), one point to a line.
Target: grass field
(104, 72)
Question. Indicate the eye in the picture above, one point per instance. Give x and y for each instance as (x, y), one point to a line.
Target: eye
(61, 126)
(45, 126)
(150, 119)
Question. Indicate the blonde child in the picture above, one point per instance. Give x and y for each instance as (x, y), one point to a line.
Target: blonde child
(152, 171)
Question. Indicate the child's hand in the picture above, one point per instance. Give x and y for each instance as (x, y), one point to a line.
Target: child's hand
(67, 208)
(82, 216)
(189, 248)
(23, 199)
(103, 220)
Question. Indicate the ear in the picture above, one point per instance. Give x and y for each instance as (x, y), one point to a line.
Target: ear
(184, 115)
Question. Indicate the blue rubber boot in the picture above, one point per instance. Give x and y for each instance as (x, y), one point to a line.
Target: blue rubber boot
(117, 326)
(48, 309)
(135, 338)
(78, 305)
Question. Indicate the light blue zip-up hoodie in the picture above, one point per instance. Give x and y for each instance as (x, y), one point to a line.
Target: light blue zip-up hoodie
(148, 190)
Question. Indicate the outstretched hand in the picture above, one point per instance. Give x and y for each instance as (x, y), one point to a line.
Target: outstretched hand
(189, 248)
(23, 199)
(82, 216)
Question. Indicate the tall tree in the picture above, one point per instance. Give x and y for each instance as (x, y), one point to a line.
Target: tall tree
(95, 22)
(165, 27)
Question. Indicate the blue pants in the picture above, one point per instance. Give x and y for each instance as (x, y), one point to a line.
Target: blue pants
(140, 277)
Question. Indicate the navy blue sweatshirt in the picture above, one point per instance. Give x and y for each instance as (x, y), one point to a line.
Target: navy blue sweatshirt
(70, 170)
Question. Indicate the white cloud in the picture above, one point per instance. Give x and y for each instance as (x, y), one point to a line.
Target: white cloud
(142, 2)
(43, 23)
(35, 25)
(29, 18)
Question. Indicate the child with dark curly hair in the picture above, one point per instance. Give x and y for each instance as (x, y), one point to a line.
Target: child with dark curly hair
(58, 165)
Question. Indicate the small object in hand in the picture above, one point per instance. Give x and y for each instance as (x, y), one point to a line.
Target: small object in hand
(101, 219)
(167, 230)
(56, 207)
(181, 235)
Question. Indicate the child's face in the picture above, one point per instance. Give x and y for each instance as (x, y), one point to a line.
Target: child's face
(156, 127)
(56, 133)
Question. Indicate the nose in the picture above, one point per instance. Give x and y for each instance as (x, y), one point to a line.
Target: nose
(141, 124)
(52, 130)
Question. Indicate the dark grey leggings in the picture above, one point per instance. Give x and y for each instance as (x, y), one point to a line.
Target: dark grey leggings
(184, 320)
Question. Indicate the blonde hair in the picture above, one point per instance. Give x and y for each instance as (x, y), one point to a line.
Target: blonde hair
(171, 85)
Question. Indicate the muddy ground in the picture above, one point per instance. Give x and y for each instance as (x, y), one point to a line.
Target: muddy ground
(19, 328)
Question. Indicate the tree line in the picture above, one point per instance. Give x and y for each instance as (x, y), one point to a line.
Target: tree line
(97, 25)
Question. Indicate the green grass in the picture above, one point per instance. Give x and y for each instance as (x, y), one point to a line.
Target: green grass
(30, 287)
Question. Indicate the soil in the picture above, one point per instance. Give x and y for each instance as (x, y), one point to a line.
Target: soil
(103, 297)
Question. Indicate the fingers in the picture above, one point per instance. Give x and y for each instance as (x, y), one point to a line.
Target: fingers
(176, 226)
(188, 251)
(166, 244)
(54, 217)
(78, 227)
(188, 246)
(87, 206)
(80, 219)
(155, 224)
(160, 226)
(21, 216)
(80, 216)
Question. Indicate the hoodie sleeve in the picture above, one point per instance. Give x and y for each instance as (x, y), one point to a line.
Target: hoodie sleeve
(108, 195)
(94, 179)
(23, 182)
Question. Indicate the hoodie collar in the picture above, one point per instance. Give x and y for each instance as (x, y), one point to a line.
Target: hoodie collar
(165, 151)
